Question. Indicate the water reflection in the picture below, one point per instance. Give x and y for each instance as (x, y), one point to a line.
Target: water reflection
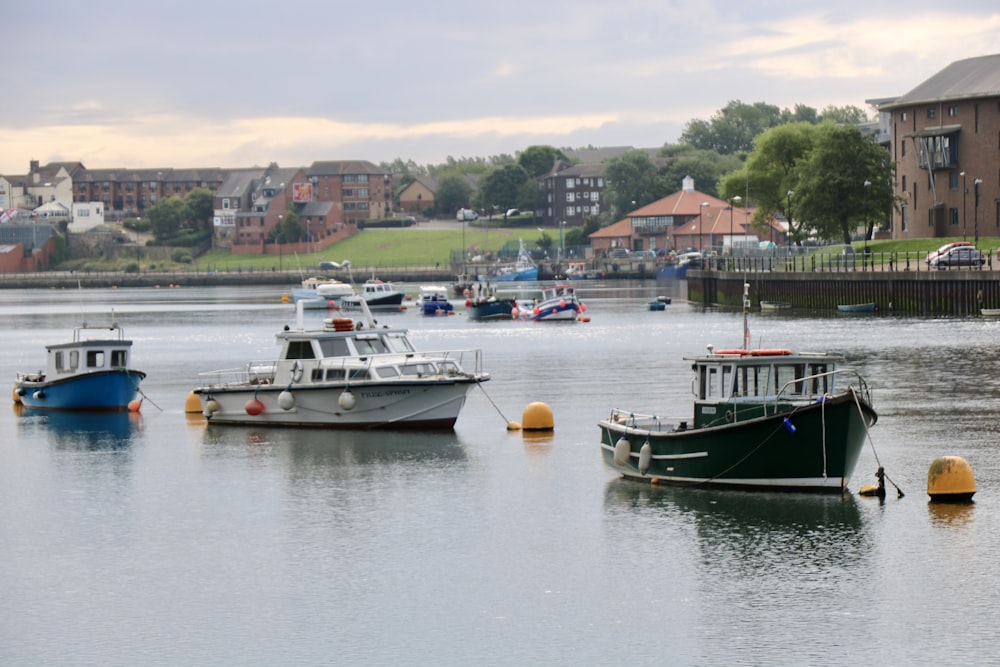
(754, 530)
(954, 515)
(335, 449)
(90, 431)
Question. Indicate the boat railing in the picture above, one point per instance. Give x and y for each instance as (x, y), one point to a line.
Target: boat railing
(787, 392)
(253, 372)
(640, 422)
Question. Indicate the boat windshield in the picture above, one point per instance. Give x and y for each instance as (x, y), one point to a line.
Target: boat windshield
(765, 380)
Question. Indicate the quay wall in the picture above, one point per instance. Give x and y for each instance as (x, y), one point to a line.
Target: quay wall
(908, 293)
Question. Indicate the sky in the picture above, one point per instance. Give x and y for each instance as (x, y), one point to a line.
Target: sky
(116, 84)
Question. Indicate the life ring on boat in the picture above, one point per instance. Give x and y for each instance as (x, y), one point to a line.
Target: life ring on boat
(297, 371)
(773, 352)
(739, 352)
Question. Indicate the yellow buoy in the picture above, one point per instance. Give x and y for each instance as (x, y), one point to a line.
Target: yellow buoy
(284, 298)
(950, 480)
(16, 396)
(537, 417)
(513, 426)
(192, 403)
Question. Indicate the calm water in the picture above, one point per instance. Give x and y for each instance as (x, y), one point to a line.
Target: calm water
(157, 540)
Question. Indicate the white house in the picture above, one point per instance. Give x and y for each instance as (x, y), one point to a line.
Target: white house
(86, 215)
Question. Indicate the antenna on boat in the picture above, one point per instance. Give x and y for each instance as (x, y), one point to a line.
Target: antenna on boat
(746, 312)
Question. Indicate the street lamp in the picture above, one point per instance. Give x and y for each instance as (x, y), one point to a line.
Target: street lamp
(965, 191)
(976, 183)
(701, 226)
(788, 212)
(864, 260)
(732, 211)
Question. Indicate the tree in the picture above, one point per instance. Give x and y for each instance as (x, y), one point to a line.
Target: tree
(201, 208)
(705, 167)
(539, 160)
(846, 115)
(167, 216)
(832, 193)
(733, 128)
(501, 187)
(453, 192)
(631, 182)
(771, 171)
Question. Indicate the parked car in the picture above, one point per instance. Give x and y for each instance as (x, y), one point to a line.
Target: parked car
(466, 214)
(945, 248)
(618, 253)
(644, 254)
(961, 255)
(511, 212)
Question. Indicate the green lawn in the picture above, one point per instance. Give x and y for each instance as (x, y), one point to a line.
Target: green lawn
(405, 247)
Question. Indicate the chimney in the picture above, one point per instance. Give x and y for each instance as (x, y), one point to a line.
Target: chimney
(33, 167)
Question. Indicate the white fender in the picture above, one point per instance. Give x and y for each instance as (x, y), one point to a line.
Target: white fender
(645, 457)
(286, 400)
(623, 451)
(347, 400)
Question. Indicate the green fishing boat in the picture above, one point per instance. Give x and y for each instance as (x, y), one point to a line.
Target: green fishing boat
(763, 419)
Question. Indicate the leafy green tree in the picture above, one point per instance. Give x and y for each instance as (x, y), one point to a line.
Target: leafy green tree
(846, 115)
(453, 192)
(544, 241)
(167, 216)
(539, 160)
(705, 167)
(845, 180)
(201, 208)
(771, 172)
(501, 187)
(631, 182)
(733, 128)
(292, 229)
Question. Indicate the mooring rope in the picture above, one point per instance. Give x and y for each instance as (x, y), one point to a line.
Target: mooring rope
(868, 434)
(506, 421)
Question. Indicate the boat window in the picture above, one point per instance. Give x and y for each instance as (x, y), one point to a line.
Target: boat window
(359, 374)
(820, 385)
(95, 358)
(788, 373)
(398, 343)
(369, 346)
(74, 360)
(387, 372)
(727, 381)
(335, 374)
(449, 368)
(300, 349)
(317, 374)
(709, 382)
(59, 362)
(118, 358)
(334, 347)
(418, 369)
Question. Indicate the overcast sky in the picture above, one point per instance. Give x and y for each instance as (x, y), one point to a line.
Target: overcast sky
(236, 84)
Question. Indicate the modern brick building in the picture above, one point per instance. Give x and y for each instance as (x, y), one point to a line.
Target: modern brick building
(944, 136)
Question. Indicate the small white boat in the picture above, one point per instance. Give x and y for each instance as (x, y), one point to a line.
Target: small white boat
(775, 305)
(84, 374)
(556, 303)
(348, 374)
(320, 293)
(989, 312)
(377, 294)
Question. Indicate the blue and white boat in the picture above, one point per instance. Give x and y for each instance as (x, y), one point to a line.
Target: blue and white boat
(433, 300)
(321, 293)
(84, 374)
(521, 269)
(556, 303)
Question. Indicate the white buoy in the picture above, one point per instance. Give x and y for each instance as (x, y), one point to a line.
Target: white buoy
(645, 457)
(286, 400)
(623, 450)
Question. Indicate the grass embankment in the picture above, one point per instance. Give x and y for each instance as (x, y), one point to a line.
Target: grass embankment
(407, 247)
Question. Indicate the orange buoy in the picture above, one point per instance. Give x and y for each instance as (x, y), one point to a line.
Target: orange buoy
(254, 407)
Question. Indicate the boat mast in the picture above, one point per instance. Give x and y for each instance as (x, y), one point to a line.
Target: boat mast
(746, 312)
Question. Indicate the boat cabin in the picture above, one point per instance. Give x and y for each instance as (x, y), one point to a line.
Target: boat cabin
(86, 355)
(735, 385)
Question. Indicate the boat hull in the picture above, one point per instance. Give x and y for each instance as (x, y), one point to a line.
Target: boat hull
(500, 309)
(672, 272)
(110, 390)
(815, 450)
(397, 405)
(523, 275)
